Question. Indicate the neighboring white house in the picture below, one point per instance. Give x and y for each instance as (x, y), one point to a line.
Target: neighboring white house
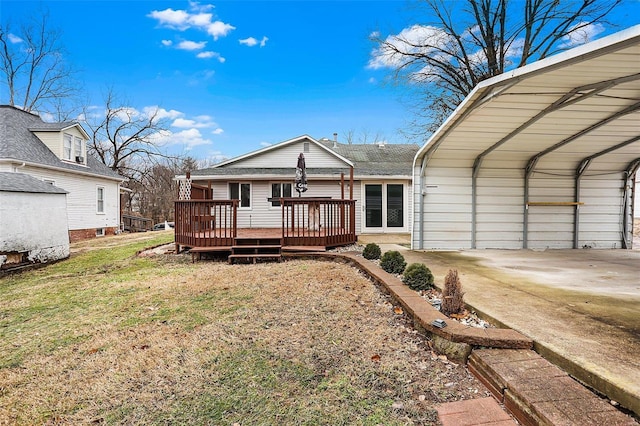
(33, 221)
(56, 153)
(382, 181)
(544, 156)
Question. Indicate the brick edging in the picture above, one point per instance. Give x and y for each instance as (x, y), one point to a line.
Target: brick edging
(455, 340)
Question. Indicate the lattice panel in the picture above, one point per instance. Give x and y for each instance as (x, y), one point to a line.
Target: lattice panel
(185, 189)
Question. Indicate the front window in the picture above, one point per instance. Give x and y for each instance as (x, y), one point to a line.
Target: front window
(279, 190)
(242, 192)
(100, 204)
(67, 148)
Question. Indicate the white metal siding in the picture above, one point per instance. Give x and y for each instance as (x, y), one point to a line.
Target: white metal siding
(446, 209)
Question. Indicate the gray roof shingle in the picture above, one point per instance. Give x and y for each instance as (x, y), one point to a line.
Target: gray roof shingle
(20, 182)
(367, 159)
(18, 142)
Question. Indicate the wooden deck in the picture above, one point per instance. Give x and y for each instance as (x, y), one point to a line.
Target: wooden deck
(308, 224)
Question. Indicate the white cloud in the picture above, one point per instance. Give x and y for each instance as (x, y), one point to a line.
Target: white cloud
(161, 113)
(197, 18)
(218, 131)
(177, 19)
(189, 138)
(210, 54)
(202, 121)
(252, 41)
(372, 80)
(15, 39)
(219, 29)
(167, 43)
(581, 33)
(191, 45)
(265, 144)
(415, 39)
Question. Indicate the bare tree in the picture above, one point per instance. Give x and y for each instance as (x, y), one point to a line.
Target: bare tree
(469, 41)
(34, 74)
(126, 140)
(365, 136)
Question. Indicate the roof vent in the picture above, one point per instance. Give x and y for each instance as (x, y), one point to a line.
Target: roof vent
(381, 144)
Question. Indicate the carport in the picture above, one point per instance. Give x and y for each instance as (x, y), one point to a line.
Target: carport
(541, 157)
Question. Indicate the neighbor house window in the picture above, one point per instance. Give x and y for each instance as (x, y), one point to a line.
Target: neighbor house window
(100, 204)
(67, 147)
(78, 151)
(242, 192)
(279, 190)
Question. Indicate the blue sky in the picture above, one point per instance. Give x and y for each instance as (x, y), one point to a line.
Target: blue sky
(234, 76)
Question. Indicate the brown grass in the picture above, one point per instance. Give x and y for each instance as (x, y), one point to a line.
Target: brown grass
(304, 342)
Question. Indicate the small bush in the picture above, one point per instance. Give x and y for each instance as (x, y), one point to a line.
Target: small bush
(418, 277)
(393, 262)
(371, 251)
(452, 302)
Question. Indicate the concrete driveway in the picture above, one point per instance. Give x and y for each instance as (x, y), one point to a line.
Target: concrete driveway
(581, 307)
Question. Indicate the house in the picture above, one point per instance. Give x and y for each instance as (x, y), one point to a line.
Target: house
(543, 156)
(381, 181)
(33, 221)
(56, 153)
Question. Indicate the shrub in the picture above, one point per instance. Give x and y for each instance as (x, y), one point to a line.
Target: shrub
(452, 293)
(393, 262)
(418, 277)
(371, 251)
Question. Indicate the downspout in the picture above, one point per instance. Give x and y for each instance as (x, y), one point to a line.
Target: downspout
(422, 198)
(576, 213)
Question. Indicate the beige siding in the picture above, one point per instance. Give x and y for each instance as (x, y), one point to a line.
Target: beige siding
(53, 141)
(287, 156)
(82, 198)
(262, 214)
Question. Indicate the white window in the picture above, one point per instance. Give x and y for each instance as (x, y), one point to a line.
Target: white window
(100, 199)
(100, 232)
(242, 192)
(78, 150)
(279, 190)
(67, 147)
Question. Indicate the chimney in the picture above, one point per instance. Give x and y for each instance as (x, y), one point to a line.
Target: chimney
(335, 140)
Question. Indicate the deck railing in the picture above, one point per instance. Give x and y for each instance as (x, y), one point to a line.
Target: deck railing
(206, 223)
(318, 222)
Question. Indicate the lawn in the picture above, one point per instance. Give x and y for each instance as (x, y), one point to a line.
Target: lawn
(109, 337)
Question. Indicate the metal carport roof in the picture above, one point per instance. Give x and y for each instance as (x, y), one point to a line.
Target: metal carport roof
(576, 114)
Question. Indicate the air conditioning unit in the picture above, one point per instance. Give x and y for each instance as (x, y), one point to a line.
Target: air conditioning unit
(79, 159)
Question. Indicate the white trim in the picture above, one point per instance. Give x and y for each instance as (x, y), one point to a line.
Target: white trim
(280, 145)
(240, 183)
(63, 129)
(60, 169)
(104, 191)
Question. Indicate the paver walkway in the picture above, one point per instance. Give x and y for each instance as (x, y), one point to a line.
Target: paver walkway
(474, 412)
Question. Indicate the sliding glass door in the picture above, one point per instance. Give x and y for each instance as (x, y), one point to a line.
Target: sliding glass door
(384, 207)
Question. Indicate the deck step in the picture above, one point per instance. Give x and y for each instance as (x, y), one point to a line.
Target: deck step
(303, 248)
(255, 257)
